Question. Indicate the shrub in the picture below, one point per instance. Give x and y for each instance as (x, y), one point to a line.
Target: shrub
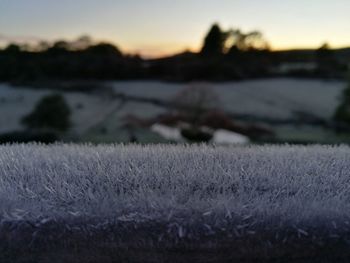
(51, 113)
(195, 101)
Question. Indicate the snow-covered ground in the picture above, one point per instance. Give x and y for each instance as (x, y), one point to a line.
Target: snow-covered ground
(273, 98)
(15, 103)
(224, 137)
(169, 133)
(229, 137)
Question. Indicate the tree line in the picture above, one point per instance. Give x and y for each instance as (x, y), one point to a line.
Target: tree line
(225, 55)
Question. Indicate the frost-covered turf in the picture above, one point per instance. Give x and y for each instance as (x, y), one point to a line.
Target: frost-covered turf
(272, 184)
(173, 193)
(272, 98)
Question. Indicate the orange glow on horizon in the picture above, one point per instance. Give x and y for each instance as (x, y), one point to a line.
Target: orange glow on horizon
(152, 49)
(164, 51)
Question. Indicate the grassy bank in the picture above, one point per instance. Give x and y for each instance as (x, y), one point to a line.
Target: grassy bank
(197, 203)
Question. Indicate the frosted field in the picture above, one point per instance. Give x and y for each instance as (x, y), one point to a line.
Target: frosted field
(272, 98)
(275, 98)
(17, 102)
(212, 186)
(70, 203)
(88, 111)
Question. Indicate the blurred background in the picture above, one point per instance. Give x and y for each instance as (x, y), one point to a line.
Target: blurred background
(161, 71)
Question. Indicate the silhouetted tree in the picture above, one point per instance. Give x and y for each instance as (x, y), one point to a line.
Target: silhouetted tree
(61, 44)
(59, 47)
(42, 46)
(215, 42)
(324, 49)
(251, 41)
(82, 43)
(12, 48)
(51, 113)
(326, 62)
(104, 49)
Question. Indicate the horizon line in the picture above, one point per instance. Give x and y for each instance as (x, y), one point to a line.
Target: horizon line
(30, 39)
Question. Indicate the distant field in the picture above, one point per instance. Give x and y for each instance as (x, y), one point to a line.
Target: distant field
(271, 98)
(276, 98)
(252, 203)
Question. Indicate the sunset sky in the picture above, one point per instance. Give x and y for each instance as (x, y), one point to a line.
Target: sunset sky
(160, 27)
